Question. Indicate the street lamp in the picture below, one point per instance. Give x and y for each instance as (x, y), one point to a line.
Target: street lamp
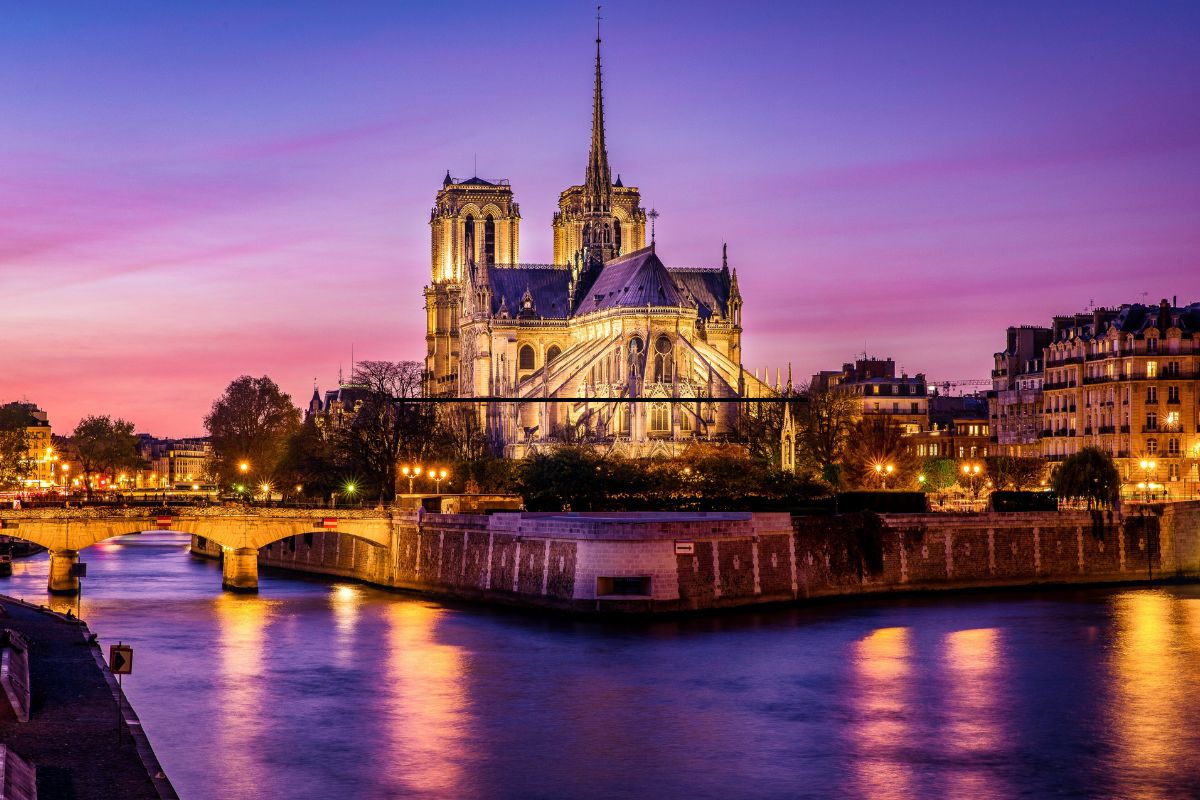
(438, 477)
(884, 471)
(244, 467)
(266, 490)
(410, 473)
(1148, 465)
(971, 473)
(350, 490)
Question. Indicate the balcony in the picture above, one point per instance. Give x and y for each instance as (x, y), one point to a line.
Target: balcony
(1094, 379)
(1063, 385)
(1087, 431)
(1106, 429)
(1150, 429)
(1124, 429)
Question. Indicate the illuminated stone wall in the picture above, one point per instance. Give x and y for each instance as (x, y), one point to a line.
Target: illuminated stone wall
(595, 562)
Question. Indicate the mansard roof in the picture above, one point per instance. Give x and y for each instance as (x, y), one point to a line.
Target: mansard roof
(547, 288)
(638, 279)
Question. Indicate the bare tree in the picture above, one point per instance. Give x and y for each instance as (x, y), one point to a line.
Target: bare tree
(387, 427)
(825, 428)
(251, 423)
(877, 455)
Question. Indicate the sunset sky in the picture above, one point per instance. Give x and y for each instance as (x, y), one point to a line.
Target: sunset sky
(191, 191)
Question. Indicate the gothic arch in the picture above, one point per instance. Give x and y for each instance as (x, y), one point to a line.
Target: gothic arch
(553, 352)
(526, 357)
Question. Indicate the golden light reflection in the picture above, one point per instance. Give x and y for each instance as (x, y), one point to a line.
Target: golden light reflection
(882, 668)
(1149, 693)
(345, 599)
(242, 621)
(427, 719)
(974, 709)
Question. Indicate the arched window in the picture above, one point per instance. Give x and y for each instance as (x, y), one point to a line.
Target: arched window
(662, 360)
(489, 240)
(525, 357)
(469, 240)
(685, 419)
(617, 236)
(637, 358)
(554, 352)
(660, 418)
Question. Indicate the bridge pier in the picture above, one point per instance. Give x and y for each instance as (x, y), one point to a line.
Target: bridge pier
(63, 580)
(239, 569)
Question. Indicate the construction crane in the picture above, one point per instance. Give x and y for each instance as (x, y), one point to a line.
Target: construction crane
(945, 385)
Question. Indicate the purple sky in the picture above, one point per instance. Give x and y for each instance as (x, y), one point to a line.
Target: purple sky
(193, 191)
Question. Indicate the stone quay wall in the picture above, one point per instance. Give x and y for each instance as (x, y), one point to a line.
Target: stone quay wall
(681, 562)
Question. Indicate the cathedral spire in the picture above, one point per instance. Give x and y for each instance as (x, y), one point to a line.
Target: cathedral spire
(598, 183)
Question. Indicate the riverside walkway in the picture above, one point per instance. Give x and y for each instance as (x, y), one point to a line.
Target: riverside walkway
(71, 736)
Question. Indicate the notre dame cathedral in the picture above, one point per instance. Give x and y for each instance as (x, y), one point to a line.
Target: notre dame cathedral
(606, 322)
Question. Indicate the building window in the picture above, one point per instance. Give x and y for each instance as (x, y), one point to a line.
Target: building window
(1151, 368)
(1152, 421)
(1152, 445)
(469, 239)
(489, 240)
(525, 358)
(662, 360)
(1172, 422)
(1173, 472)
(1151, 394)
(660, 418)
(685, 421)
(1152, 345)
(1173, 447)
(1172, 394)
(554, 352)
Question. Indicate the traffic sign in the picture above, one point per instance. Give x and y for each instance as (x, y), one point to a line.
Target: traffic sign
(328, 523)
(120, 659)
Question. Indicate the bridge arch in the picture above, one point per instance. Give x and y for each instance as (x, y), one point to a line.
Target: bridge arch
(240, 536)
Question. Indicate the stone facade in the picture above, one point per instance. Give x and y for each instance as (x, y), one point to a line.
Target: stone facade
(680, 562)
(569, 344)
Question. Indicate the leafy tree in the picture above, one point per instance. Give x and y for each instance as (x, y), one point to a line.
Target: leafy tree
(105, 447)
(879, 441)
(825, 429)
(251, 422)
(310, 462)
(15, 464)
(1016, 472)
(940, 474)
(1088, 475)
(387, 427)
(567, 476)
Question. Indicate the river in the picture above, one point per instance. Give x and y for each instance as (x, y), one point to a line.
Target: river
(319, 689)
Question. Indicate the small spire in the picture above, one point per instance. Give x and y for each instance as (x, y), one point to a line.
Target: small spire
(725, 256)
(448, 179)
(653, 215)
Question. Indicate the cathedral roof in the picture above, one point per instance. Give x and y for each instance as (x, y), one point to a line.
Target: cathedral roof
(547, 289)
(635, 280)
(708, 287)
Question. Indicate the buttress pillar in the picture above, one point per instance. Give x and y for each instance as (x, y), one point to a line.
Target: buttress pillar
(239, 570)
(63, 579)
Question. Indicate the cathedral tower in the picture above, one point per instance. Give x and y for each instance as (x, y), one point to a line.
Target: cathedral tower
(474, 223)
(600, 219)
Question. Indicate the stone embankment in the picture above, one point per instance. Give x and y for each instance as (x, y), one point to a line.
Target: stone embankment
(684, 562)
(70, 738)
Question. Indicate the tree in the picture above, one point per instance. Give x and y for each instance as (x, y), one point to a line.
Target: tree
(251, 423)
(878, 442)
(1016, 472)
(105, 447)
(825, 428)
(387, 427)
(15, 464)
(309, 461)
(940, 474)
(1088, 475)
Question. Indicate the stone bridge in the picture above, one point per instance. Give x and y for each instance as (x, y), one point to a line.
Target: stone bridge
(239, 530)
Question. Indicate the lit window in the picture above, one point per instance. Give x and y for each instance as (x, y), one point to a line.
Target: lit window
(660, 417)
(1152, 368)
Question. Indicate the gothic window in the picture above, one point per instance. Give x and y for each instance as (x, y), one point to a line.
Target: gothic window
(525, 358)
(554, 352)
(662, 360)
(685, 420)
(469, 239)
(489, 240)
(617, 237)
(636, 359)
(660, 418)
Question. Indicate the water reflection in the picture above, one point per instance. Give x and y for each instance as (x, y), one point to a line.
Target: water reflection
(1150, 689)
(425, 716)
(242, 624)
(881, 700)
(974, 733)
(345, 600)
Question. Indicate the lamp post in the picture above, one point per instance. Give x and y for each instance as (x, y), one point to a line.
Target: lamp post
(411, 473)
(438, 477)
(971, 473)
(1148, 465)
(883, 472)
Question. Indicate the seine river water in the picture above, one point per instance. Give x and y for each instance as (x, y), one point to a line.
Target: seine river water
(316, 689)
